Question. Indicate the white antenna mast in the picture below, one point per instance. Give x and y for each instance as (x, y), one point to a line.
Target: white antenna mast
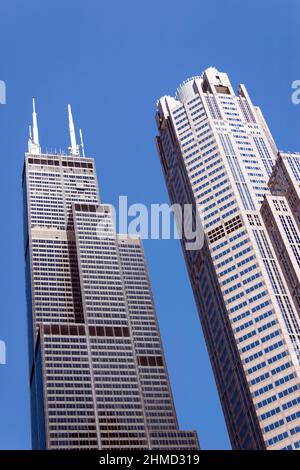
(30, 141)
(35, 125)
(81, 142)
(33, 142)
(74, 149)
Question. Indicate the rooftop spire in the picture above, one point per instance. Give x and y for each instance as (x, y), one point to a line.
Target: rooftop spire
(33, 141)
(81, 143)
(35, 126)
(74, 148)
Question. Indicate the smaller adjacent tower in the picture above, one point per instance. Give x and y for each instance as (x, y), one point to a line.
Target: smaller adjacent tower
(218, 155)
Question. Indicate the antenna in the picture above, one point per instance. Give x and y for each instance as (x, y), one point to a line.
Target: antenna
(81, 142)
(74, 149)
(33, 142)
(35, 125)
(30, 141)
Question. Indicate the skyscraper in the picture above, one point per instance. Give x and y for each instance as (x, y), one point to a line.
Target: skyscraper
(218, 155)
(98, 377)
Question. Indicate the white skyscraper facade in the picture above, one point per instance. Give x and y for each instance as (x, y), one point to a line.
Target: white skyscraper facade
(218, 154)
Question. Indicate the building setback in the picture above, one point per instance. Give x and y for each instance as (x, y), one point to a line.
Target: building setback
(218, 155)
(98, 377)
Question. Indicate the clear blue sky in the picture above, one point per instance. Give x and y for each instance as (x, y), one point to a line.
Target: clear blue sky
(112, 60)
